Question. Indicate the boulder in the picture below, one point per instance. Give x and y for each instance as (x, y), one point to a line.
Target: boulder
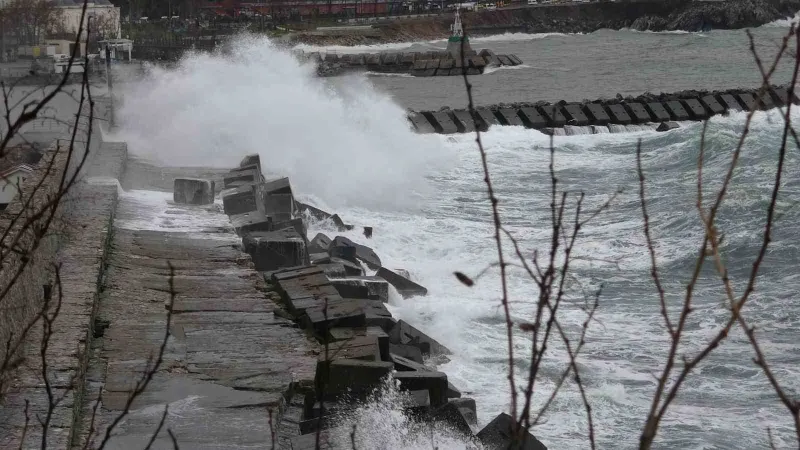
(666, 126)
(403, 333)
(352, 377)
(250, 222)
(193, 191)
(275, 249)
(319, 244)
(404, 286)
(340, 246)
(240, 199)
(497, 435)
(432, 381)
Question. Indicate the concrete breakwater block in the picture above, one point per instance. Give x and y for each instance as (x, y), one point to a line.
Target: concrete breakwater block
(242, 176)
(319, 244)
(275, 249)
(406, 352)
(404, 333)
(432, 381)
(421, 123)
(676, 110)
(658, 112)
(458, 416)
(730, 102)
(485, 118)
(357, 347)
(352, 377)
(405, 287)
(695, 109)
(497, 435)
(251, 221)
(463, 120)
(515, 61)
(193, 191)
(362, 287)
(343, 247)
(747, 100)
(619, 115)
(505, 60)
(596, 113)
(555, 118)
(531, 118)
(344, 313)
(574, 115)
(252, 159)
(508, 116)
(712, 104)
(638, 112)
(441, 122)
(764, 101)
(348, 334)
(280, 207)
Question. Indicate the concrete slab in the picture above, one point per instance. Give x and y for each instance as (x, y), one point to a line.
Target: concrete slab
(552, 113)
(676, 110)
(508, 116)
(575, 115)
(531, 118)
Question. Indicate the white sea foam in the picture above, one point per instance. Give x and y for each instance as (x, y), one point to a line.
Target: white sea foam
(259, 99)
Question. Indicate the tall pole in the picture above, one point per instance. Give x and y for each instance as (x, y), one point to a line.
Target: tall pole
(110, 85)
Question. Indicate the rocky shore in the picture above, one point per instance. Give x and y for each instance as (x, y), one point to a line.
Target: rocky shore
(576, 18)
(336, 290)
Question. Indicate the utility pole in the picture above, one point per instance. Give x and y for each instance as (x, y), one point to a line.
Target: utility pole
(110, 85)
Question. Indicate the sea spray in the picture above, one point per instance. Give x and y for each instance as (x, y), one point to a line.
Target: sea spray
(344, 142)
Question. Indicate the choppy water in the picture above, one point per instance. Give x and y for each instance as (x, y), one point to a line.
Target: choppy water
(347, 148)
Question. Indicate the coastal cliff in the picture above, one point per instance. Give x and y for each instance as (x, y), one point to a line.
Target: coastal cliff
(578, 18)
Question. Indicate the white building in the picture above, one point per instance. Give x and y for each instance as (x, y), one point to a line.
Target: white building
(100, 13)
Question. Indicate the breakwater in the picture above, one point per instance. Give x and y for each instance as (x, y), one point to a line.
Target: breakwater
(419, 64)
(337, 290)
(660, 112)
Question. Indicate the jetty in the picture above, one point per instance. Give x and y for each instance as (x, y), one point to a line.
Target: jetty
(662, 112)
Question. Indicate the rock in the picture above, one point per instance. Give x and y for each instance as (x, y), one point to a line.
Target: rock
(250, 222)
(275, 249)
(320, 244)
(340, 245)
(666, 126)
(403, 333)
(404, 286)
(193, 191)
(497, 436)
(356, 378)
(408, 352)
(432, 381)
(240, 199)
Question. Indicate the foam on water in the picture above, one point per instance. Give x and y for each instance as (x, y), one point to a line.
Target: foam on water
(784, 23)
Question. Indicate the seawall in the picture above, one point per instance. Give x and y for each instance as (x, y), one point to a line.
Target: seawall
(660, 112)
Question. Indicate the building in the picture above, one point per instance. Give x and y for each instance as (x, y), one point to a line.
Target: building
(104, 16)
(15, 167)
